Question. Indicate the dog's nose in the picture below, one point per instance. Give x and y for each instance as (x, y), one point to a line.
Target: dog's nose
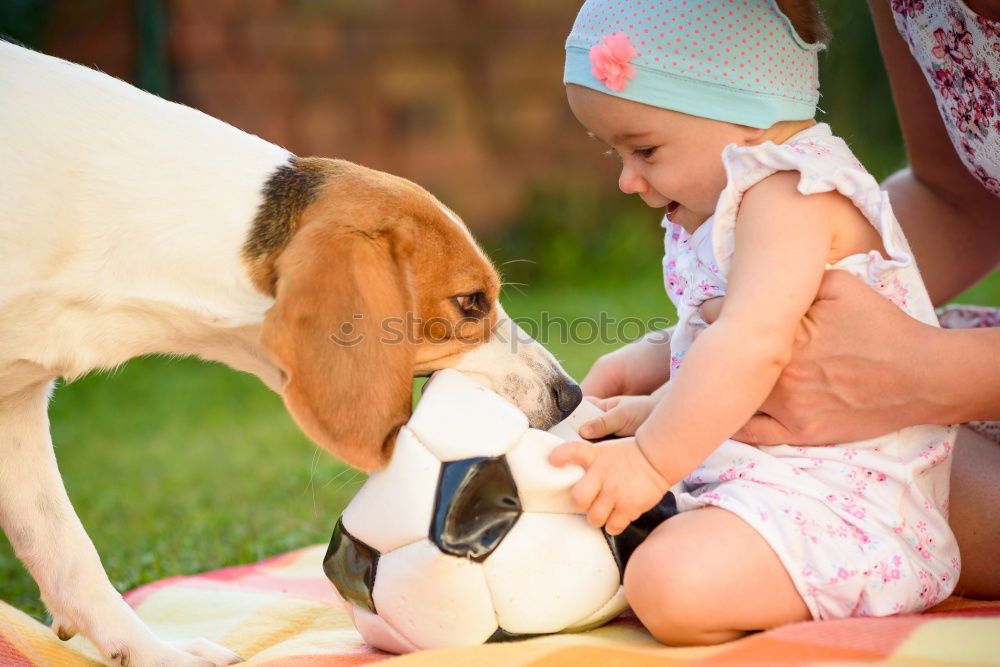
(568, 396)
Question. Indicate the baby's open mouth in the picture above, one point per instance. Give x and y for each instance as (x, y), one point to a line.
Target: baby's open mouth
(671, 208)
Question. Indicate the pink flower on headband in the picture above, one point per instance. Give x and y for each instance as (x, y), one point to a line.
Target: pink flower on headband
(609, 61)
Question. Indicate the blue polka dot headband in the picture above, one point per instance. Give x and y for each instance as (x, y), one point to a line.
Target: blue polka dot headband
(738, 61)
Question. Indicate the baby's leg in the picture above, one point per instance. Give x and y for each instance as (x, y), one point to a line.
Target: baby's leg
(706, 577)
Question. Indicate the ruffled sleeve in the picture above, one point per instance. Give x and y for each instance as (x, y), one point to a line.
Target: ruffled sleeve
(825, 164)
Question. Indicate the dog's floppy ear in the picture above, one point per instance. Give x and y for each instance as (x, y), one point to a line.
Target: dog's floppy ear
(346, 381)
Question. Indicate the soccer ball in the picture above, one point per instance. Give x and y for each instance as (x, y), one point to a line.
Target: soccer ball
(469, 535)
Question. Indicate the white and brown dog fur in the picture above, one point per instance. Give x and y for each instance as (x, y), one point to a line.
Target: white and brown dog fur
(130, 225)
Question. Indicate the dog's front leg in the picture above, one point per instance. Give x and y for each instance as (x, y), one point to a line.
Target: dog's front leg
(47, 536)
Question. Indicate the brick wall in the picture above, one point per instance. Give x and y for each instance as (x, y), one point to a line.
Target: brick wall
(463, 96)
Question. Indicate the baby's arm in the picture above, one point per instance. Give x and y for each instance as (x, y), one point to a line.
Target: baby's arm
(783, 242)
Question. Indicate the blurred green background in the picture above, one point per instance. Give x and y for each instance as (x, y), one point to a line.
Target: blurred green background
(177, 466)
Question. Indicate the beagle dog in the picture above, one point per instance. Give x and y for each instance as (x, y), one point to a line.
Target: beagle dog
(130, 225)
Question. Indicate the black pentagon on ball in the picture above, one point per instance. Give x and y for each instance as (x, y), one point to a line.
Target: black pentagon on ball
(623, 544)
(502, 635)
(475, 506)
(350, 564)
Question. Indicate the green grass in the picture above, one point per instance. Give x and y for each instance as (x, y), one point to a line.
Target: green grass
(177, 466)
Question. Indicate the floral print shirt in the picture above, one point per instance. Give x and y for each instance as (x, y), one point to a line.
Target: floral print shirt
(959, 53)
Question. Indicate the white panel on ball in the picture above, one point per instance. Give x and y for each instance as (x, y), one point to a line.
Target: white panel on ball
(376, 632)
(569, 428)
(403, 491)
(541, 486)
(551, 570)
(454, 408)
(613, 608)
(432, 599)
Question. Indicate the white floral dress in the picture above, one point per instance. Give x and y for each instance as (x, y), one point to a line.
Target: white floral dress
(860, 527)
(959, 54)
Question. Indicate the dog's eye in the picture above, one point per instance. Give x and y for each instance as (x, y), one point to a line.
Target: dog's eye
(471, 304)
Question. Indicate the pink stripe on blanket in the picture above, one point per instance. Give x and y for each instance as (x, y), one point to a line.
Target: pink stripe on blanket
(881, 638)
(264, 577)
(321, 591)
(11, 657)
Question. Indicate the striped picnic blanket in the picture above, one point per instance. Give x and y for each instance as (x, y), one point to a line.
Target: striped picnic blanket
(283, 611)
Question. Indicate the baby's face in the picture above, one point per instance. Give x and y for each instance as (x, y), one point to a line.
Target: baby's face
(670, 159)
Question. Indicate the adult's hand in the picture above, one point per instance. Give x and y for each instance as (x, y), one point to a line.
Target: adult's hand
(638, 368)
(856, 371)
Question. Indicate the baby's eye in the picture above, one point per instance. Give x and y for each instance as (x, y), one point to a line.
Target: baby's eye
(645, 153)
(611, 152)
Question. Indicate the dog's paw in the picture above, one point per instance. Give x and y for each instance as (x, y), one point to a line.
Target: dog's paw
(217, 655)
(125, 641)
(64, 628)
(181, 653)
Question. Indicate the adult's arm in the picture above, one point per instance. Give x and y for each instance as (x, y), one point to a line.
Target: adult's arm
(951, 221)
(853, 377)
(848, 382)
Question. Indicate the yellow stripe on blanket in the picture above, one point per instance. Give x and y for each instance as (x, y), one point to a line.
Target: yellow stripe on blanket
(283, 612)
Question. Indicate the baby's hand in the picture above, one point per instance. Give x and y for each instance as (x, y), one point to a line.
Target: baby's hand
(623, 416)
(619, 485)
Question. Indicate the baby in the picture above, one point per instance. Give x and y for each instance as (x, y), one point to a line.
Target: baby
(709, 104)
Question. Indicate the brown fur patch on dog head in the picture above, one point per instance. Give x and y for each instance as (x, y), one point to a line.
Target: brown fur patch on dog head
(368, 272)
(287, 193)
